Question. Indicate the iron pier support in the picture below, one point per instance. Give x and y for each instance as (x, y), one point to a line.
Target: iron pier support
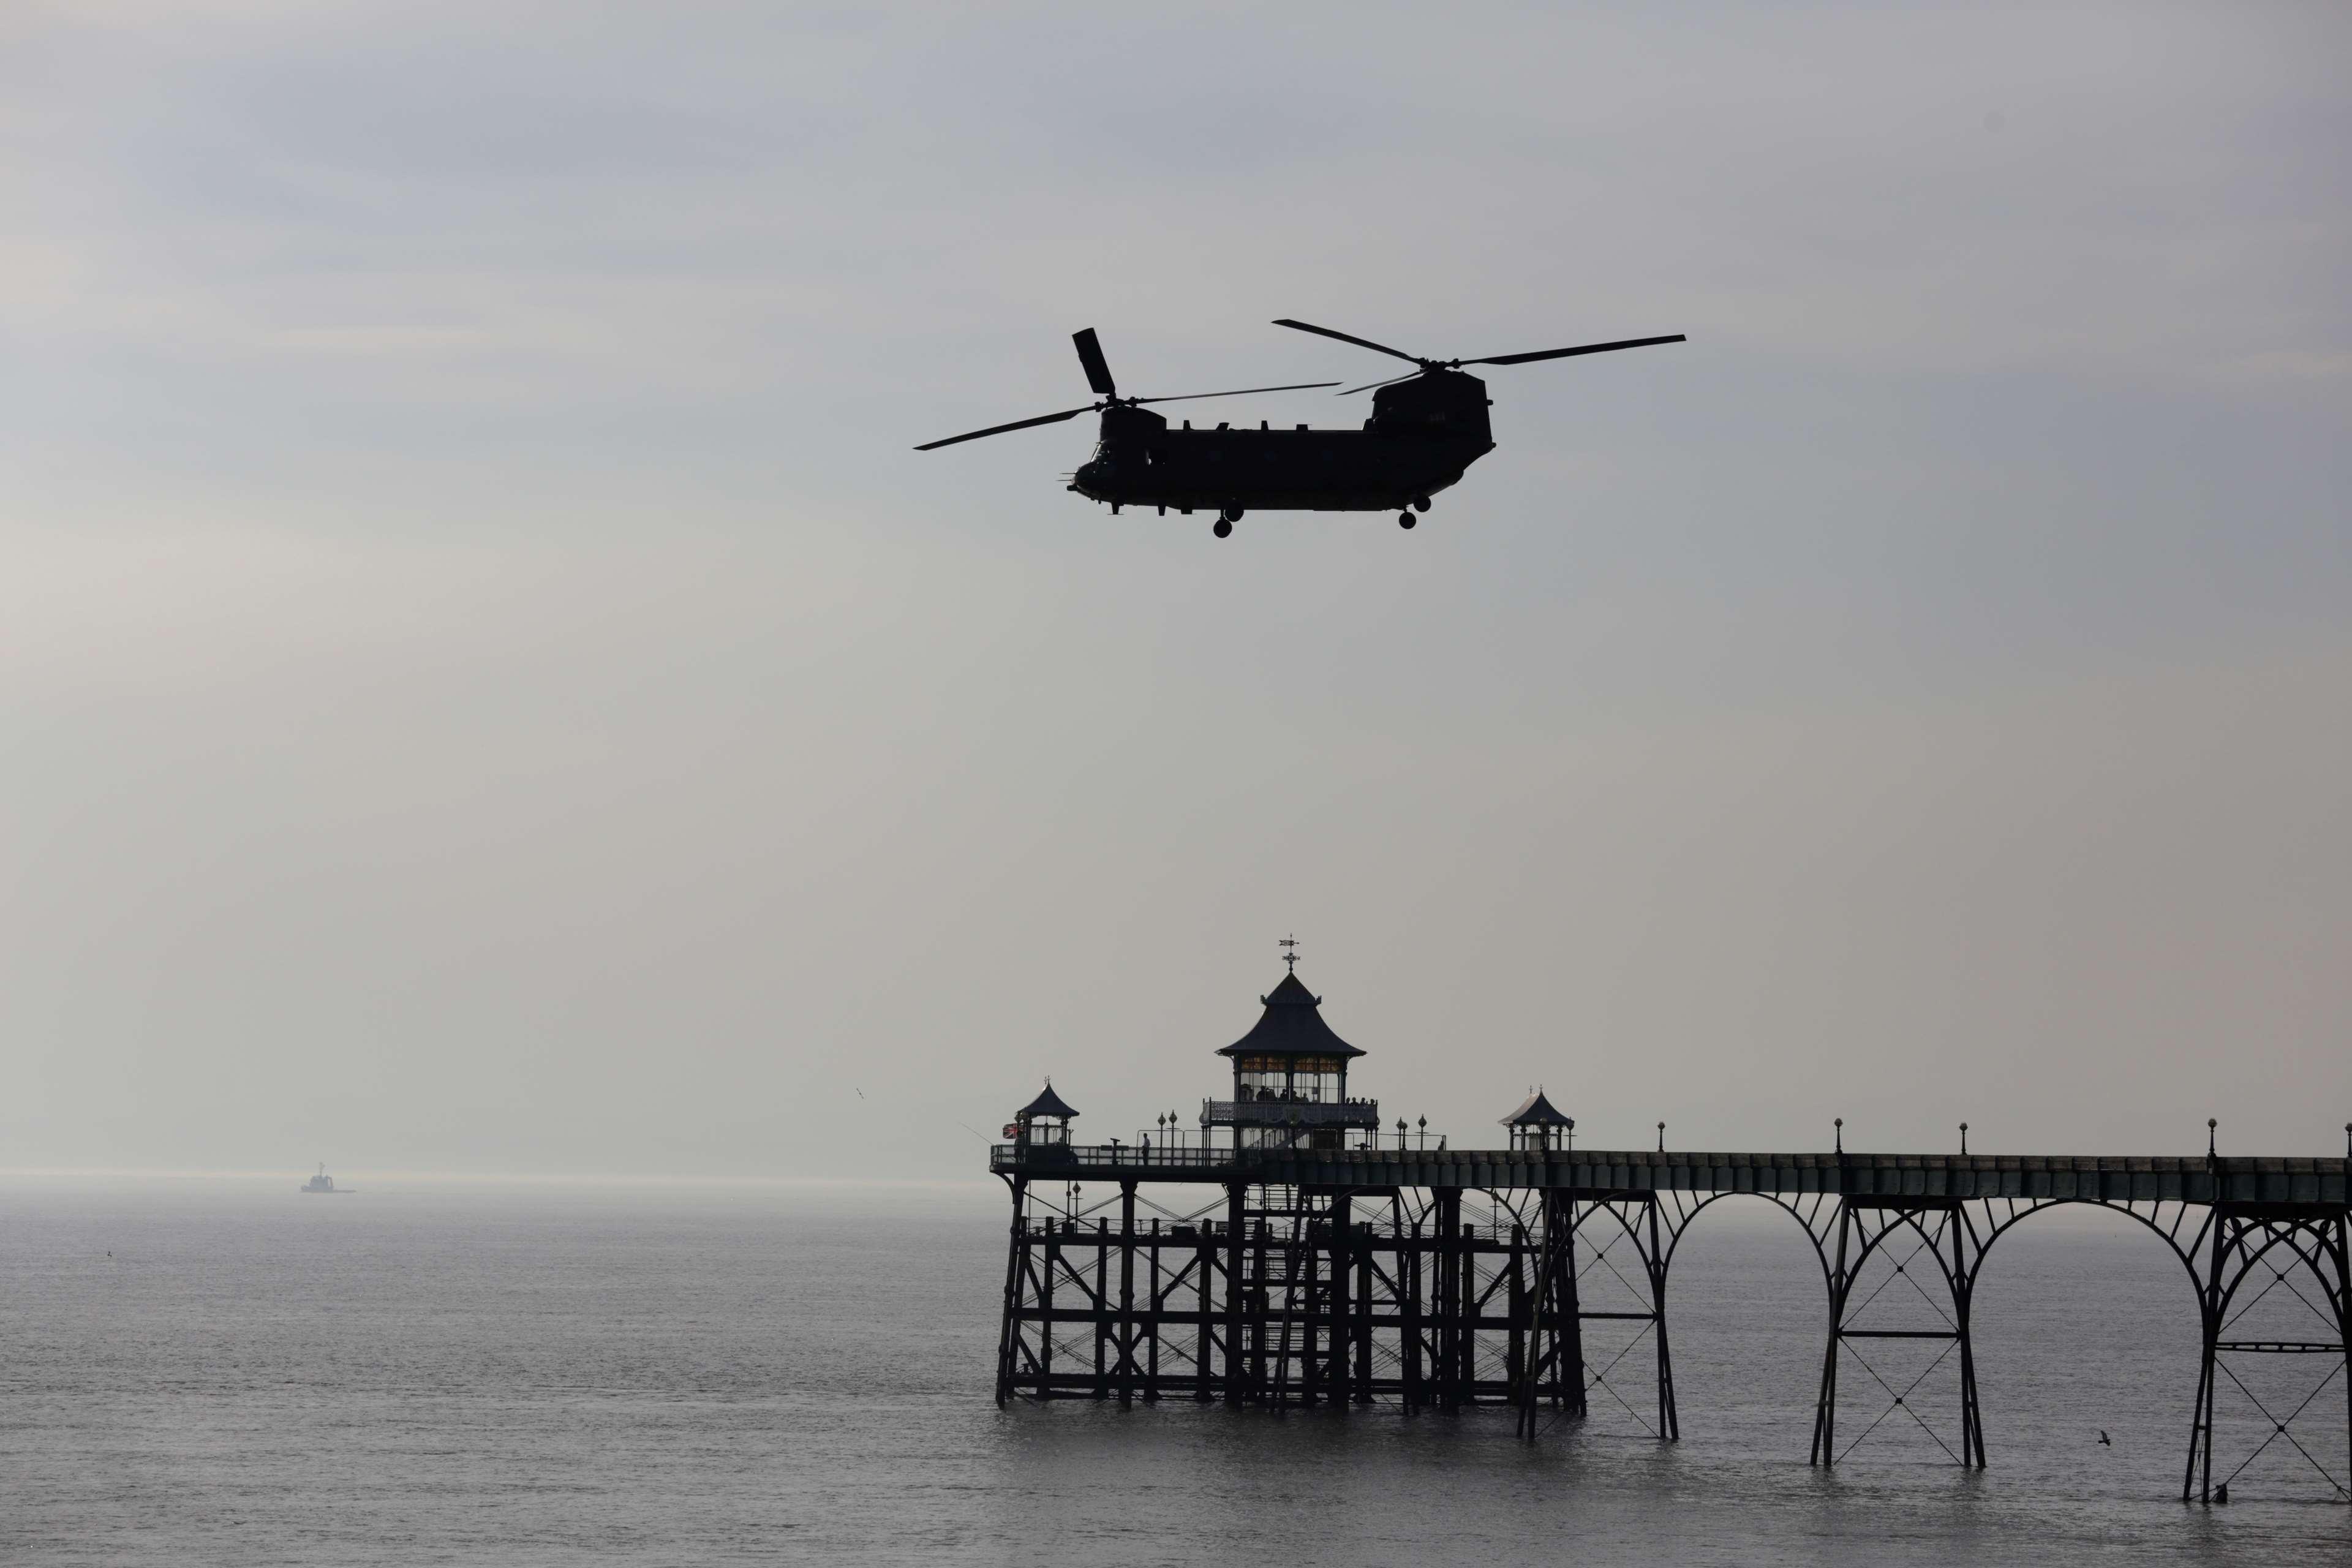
(1017, 1258)
(2308, 1242)
(1234, 1239)
(1940, 1231)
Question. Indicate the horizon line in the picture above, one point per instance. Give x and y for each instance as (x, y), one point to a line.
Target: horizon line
(509, 1178)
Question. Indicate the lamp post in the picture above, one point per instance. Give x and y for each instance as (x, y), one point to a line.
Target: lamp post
(1423, 1121)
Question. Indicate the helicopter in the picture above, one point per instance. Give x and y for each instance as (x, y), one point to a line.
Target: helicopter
(1427, 426)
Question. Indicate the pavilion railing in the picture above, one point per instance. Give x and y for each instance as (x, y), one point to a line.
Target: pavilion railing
(1045, 1156)
(1282, 1113)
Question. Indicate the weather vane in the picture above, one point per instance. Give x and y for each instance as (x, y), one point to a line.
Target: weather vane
(1290, 957)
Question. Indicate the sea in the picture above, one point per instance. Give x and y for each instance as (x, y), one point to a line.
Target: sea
(226, 1370)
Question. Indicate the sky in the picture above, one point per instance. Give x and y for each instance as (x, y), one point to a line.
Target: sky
(487, 686)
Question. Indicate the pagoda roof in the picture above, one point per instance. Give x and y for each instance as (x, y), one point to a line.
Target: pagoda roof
(1047, 1103)
(1291, 1026)
(1537, 1111)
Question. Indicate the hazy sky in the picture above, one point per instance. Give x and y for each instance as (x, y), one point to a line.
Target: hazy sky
(485, 684)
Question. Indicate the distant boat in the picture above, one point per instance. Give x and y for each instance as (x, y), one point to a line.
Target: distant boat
(323, 1182)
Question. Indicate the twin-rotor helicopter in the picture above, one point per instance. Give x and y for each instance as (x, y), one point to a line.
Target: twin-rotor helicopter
(1427, 426)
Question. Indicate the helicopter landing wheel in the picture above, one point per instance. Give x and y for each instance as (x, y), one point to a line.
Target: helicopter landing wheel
(1222, 528)
(1420, 503)
(1406, 519)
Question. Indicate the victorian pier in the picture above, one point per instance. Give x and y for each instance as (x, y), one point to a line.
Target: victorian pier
(1291, 1249)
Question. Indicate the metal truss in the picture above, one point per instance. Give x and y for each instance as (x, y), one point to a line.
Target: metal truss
(1444, 1298)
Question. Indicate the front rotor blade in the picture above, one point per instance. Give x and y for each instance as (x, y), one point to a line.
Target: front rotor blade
(1584, 349)
(1097, 368)
(1346, 338)
(1371, 385)
(1000, 429)
(1240, 392)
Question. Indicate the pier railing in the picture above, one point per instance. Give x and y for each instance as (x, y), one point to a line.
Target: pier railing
(1050, 1157)
(2091, 1177)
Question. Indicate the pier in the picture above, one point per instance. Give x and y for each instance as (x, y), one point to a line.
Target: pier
(1291, 1250)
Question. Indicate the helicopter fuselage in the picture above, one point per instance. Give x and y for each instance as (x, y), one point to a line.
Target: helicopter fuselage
(1423, 433)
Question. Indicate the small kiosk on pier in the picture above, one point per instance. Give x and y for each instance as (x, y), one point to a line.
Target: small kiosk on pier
(1043, 1126)
(1538, 1125)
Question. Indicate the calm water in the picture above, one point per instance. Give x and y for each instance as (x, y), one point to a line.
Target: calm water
(513, 1375)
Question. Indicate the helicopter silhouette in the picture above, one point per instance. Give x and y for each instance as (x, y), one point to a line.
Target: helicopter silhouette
(1427, 426)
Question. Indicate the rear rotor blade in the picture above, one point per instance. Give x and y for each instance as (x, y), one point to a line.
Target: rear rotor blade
(1369, 385)
(1097, 368)
(1241, 392)
(1582, 349)
(1000, 429)
(1347, 338)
